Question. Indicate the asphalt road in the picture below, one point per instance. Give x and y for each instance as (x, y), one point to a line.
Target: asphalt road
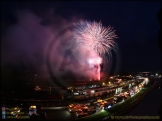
(55, 114)
(61, 114)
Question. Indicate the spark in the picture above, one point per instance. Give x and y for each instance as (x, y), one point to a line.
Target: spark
(93, 36)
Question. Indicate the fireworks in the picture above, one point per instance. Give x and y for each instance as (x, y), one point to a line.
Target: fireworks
(93, 36)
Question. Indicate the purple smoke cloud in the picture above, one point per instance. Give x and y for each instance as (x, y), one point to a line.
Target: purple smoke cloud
(26, 43)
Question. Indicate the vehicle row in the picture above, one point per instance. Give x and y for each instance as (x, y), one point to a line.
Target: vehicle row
(81, 110)
(102, 104)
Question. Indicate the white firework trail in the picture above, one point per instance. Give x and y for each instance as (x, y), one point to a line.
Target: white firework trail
(93, 36)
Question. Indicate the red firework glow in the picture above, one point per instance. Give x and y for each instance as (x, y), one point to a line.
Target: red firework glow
(95, 62)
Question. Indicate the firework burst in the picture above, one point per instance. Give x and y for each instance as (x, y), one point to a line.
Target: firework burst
(93, 36)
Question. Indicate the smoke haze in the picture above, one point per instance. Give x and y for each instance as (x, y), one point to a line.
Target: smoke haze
(25, 43)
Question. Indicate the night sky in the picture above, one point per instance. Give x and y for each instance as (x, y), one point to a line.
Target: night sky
(135, 23)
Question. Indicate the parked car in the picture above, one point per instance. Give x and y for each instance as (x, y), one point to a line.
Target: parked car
(15, 111)
(118, 99)
(82, 115)
(108, 105)
(78, 112)
(84, 108)
(91, 111)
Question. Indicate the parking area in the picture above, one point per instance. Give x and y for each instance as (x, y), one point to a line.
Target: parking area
(86, 109)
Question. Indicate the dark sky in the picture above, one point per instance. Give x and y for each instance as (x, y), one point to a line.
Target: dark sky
(135, 23)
